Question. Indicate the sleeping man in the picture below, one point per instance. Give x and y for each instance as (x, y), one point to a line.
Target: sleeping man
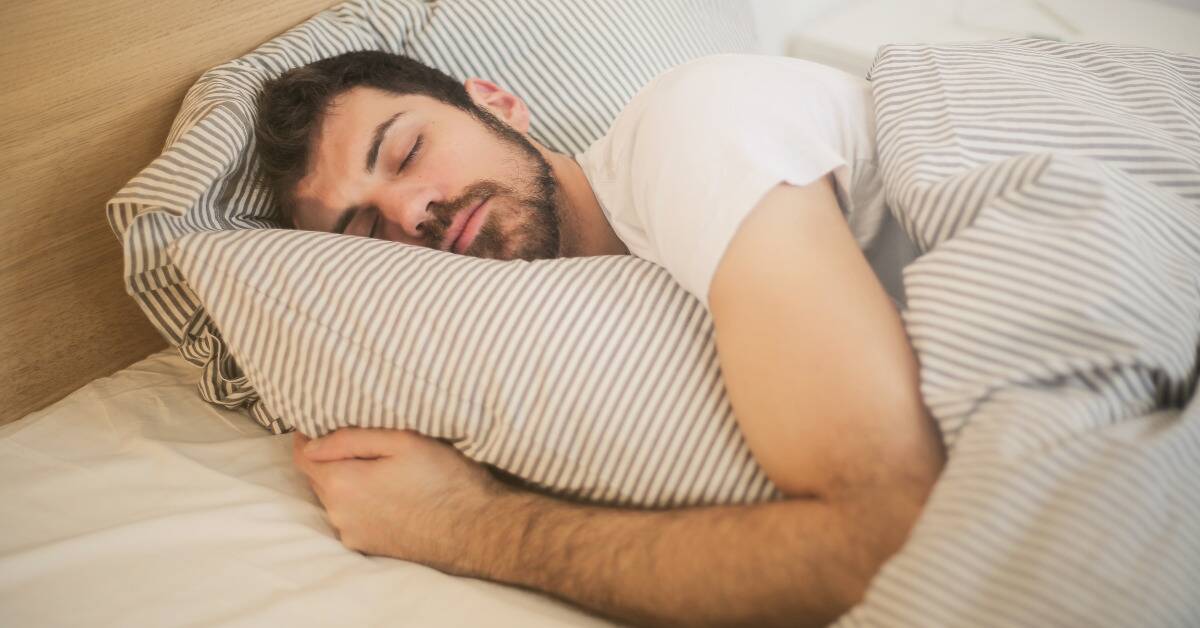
(752, 180)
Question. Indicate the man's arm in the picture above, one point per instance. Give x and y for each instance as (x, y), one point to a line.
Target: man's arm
(797, 562)
(823, 385)
(400, 494)
(816, 361)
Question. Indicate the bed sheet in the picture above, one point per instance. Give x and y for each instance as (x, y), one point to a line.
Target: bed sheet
(134, 503)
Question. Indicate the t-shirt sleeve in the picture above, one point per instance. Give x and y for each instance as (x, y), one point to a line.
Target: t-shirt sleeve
(709, 144)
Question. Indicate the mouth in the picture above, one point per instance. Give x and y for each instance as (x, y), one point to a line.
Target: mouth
(464, 229)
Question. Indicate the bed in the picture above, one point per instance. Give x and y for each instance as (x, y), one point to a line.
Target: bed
(1062, 377)
(121, 485)
(130, 499)
(132, 502)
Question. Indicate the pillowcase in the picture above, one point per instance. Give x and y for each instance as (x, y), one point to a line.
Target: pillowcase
(594, 378)
(576, 63)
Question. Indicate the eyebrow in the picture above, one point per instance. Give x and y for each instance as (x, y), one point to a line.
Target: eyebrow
(380, 131)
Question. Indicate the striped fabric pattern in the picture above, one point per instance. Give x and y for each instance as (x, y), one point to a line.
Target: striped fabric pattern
(1055, 191)
(576, 63)
(593, 378)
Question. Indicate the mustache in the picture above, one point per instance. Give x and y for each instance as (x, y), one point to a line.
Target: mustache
(445, 212)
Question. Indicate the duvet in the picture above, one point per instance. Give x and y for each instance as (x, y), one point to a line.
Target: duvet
(1054, 190)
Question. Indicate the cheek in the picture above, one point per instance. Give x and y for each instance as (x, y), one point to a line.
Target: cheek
(514, 218)
(470, 158)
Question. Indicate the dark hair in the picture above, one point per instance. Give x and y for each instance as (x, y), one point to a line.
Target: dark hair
(290, 108)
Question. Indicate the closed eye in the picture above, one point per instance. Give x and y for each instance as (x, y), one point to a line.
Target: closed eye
(412, 154)
(363, 220)
(374, 226)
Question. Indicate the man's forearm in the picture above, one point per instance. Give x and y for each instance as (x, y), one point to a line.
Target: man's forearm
(793, 562)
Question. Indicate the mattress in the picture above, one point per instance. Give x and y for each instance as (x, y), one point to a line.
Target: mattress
(132, 502)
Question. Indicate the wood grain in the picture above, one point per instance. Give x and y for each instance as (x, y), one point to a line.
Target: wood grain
(87, 94)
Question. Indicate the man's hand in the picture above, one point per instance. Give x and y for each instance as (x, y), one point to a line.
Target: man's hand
(397, 493)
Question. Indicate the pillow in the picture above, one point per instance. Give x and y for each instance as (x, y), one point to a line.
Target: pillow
(594, 378)
(576, 63)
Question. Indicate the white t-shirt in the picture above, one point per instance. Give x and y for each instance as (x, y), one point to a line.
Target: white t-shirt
(697, 148)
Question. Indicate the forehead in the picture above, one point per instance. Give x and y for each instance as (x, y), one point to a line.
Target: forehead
(351, 118)
(359, 106)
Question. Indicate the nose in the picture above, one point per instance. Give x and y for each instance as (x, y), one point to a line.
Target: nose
(405, 206)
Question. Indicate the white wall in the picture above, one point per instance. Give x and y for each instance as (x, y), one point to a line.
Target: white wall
(775, 20)
(846, 33)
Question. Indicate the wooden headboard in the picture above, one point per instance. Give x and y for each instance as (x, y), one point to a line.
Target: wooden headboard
(87, 95)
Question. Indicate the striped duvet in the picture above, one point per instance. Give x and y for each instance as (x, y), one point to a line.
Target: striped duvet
(1055, 191)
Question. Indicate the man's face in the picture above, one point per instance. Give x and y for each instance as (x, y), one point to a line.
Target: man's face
(409, 168)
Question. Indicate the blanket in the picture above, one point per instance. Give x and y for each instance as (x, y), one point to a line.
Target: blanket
(1054, 190)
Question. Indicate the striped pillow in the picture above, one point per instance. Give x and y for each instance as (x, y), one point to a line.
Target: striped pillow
(594, 378)
(575, 62)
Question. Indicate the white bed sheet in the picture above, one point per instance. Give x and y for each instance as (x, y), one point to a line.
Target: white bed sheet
(134, 503)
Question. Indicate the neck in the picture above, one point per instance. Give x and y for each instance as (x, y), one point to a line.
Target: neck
(585, 230)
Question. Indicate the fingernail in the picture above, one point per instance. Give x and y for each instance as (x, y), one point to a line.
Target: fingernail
(312, 446)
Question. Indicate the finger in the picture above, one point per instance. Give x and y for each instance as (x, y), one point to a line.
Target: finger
(306, 467)
(298, 459)
(298, 442)
(338, 479)
(353, 442)
(316, 490)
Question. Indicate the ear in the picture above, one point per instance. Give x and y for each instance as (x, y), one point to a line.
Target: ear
(506, 106)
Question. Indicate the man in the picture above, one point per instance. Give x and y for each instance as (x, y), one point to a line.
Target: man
(748, 178)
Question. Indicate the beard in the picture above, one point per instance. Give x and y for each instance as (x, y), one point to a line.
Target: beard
(523, 220)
